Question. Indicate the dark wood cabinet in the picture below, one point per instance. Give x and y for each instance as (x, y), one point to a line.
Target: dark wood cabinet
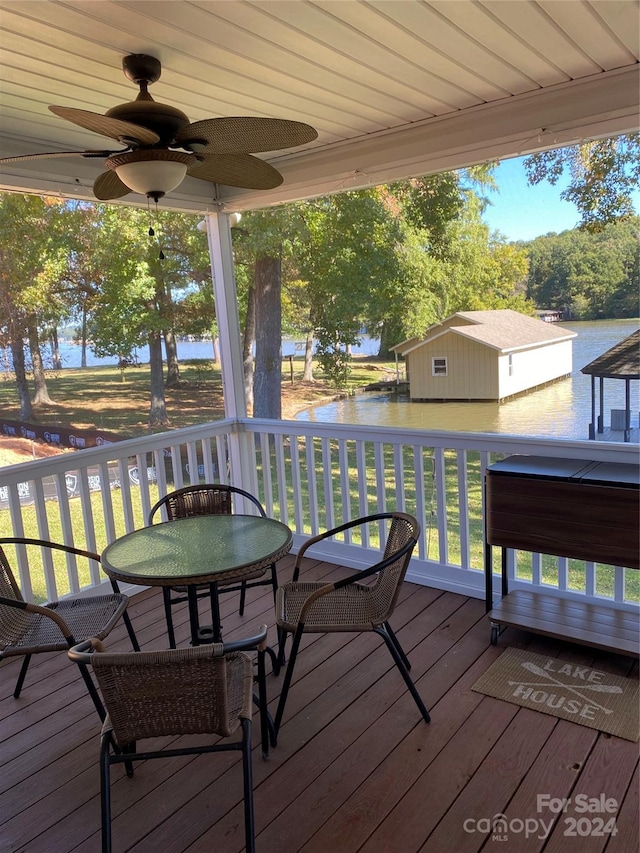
(572, 508)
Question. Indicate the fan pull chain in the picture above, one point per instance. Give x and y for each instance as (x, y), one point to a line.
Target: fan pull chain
(151, 228)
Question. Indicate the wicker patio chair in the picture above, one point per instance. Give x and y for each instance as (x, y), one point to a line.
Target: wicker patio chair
(207, 499)
(205, 690)
(349, 604)
(27, 629)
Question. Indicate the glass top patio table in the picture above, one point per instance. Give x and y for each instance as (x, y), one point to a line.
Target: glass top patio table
(199, 550)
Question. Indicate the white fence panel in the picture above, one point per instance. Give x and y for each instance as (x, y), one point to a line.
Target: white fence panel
(311, 476)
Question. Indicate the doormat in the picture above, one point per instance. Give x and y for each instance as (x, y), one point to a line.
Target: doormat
(583, 695)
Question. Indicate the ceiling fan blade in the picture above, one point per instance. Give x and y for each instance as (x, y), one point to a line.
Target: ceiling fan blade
(124, 131)
(244, 134)
(236, 170)
(108, 185)
(50, 155)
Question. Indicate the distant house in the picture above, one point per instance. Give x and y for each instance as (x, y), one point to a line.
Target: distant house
(549, 315)
(485, 355)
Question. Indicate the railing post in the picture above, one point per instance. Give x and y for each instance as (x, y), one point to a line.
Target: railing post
(226, 301)
(242, 469)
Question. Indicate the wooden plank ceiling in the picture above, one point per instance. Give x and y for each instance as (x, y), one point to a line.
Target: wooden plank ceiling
(394, 87)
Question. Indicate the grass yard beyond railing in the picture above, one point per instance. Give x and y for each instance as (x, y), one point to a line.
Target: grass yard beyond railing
(310, 476)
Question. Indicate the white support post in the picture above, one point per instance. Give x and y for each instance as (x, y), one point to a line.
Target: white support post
(243, 471)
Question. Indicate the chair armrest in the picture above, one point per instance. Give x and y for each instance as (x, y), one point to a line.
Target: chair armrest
(42, 611)
(58, 546)
(406, 549)
(378, 567)
(259, 642)
(312, 598)
(355, 522)
(83, 652)
(305, 545)
(45, 543)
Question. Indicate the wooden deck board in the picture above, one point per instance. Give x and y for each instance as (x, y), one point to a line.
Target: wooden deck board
(628, 818)
(356, 768)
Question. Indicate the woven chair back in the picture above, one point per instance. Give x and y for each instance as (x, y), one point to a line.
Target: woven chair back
(179, 691)
(209, 499)
(13, 622)
(8, 586)
(385, 590)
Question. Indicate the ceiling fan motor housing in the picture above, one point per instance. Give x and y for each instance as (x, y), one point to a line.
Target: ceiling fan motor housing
(165, 120)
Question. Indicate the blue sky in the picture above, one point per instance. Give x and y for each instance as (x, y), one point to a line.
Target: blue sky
(521, 212)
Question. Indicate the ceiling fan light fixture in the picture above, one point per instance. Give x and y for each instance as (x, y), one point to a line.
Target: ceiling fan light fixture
(151, 172)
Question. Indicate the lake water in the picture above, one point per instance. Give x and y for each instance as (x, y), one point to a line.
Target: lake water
(562, 409)
(71, 354)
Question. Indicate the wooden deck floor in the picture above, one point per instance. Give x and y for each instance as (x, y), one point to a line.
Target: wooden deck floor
(355, 769)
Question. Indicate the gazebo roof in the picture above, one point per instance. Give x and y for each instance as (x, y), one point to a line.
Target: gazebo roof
(622, 361)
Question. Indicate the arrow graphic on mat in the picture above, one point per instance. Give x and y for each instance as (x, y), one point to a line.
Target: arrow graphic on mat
(598, 688)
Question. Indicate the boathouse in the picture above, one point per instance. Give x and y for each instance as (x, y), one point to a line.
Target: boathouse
(485, 355)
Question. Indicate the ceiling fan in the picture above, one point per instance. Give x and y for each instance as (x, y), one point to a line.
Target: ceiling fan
(162, 147)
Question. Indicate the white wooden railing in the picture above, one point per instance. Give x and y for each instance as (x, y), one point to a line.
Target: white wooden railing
(310, 476)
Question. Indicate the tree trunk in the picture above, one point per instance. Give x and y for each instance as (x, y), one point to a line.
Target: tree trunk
(267, 379)
(17, 352)
(41, 396)
(307, 375)
(383, 349)
(158, 409)
(247, 347)
(83, 358)
(55, 350)
(173, 367)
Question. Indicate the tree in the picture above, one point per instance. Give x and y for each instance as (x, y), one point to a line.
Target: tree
(183, 284)
(348, 258)
(268, 324)
(602, 176)
(149, 284)
(128, 291)
(265, 239)
(588, 275)
(470, 269)
(31, 257)
(391, 259)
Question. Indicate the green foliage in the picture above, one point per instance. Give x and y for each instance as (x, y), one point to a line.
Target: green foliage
(429, 205)
(334, 361)
(473, 271)
(134, 292)
(603, 175)
(348, 259)
(593, 275)
(31, 257)
(392, 259)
